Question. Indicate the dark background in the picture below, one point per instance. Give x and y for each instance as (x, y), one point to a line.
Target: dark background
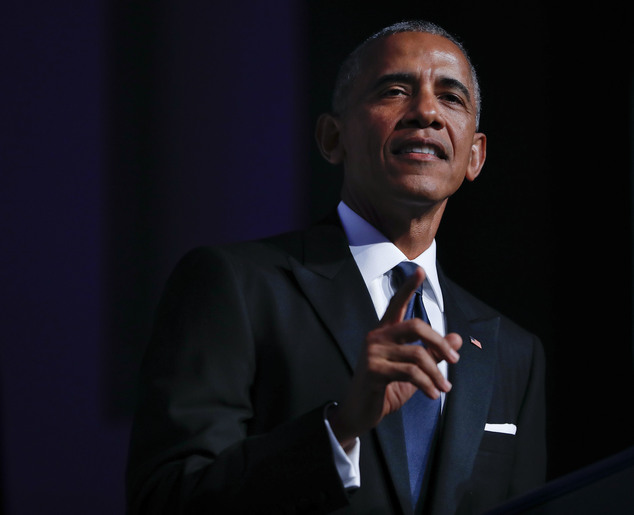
(133, 131)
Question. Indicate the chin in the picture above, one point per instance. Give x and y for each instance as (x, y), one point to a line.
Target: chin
(418, 189)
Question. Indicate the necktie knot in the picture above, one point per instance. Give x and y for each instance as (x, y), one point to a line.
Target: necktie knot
(415, 308)
(401, 272)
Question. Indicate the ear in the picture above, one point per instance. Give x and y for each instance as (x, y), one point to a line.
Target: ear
(478, 155)
(328, 136)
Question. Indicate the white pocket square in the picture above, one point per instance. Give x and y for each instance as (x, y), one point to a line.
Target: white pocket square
(507, 429)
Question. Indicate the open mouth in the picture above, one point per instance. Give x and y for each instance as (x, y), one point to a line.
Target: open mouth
(420, 148)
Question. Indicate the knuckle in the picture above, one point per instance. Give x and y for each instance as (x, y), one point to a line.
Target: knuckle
(419, 324)
(419, 351)
(411, 369)
(374, 367)
(373, 337)
(420, 354)
(415, 324)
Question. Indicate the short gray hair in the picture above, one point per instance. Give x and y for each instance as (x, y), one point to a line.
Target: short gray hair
(351, 67)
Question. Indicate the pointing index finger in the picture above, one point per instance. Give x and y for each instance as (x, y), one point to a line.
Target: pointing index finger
(398, 304)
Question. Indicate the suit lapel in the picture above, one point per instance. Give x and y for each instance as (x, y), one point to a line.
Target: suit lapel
(330, 279)
(467, 404)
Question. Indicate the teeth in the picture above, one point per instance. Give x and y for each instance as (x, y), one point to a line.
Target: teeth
(419, 149)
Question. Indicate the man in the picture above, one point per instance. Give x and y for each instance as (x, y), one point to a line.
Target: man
(295, 374)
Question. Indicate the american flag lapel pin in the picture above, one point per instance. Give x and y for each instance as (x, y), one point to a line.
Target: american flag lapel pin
(475, 342)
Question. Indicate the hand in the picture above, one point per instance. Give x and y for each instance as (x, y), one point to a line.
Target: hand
(389, 372)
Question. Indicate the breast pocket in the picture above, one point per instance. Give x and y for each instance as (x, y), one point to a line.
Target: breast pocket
(497, 443)
(495, 458)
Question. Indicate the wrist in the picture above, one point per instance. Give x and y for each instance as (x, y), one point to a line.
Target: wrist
(344, 436)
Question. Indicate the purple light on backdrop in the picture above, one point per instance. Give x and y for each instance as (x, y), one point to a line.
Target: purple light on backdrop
(58, 449)
(224, 127)
(231, 137)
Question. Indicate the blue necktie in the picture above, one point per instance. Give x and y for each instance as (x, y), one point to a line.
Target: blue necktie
(420, 413)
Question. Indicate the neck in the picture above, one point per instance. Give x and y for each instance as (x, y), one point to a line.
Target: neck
(411, 228)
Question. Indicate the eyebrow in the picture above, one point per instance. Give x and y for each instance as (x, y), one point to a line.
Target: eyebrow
(451, 83)
(391, 78)
(409, 78)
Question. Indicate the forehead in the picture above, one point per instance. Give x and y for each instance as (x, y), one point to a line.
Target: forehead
(415, 52)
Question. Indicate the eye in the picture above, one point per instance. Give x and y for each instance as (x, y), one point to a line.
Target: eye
(452, 98)
(394, 91)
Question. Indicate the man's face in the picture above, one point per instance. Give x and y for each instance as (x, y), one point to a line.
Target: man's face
(407, 136)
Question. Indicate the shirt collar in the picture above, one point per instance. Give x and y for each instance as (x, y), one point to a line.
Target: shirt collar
(375, 254)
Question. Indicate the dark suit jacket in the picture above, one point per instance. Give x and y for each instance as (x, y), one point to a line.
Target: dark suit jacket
(253, 340)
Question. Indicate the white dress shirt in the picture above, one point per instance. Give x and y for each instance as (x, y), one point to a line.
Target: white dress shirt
(375, 256)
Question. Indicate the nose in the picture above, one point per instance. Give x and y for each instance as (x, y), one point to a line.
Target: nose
(423, 111)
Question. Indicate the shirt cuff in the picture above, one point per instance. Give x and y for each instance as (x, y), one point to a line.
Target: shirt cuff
(347, 463)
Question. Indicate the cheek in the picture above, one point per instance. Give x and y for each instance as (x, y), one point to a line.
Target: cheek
(462, 141)
(364, 142)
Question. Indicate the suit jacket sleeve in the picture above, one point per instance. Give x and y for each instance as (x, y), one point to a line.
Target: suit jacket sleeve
(192, 449)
